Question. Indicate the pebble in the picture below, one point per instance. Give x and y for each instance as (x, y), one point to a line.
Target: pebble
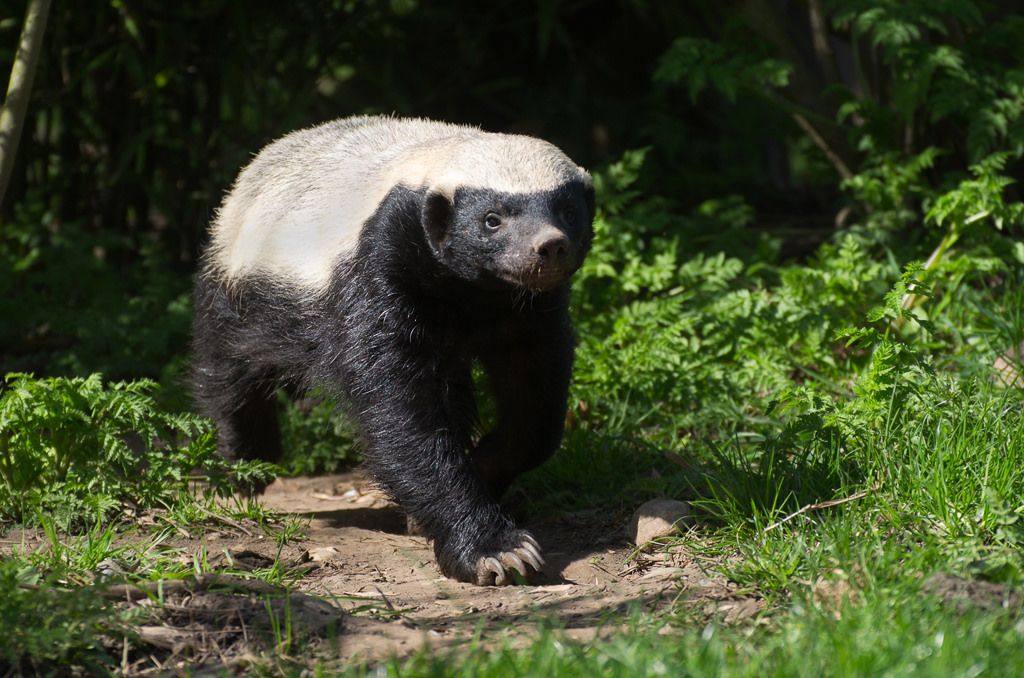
(659, 518)
(324, 554)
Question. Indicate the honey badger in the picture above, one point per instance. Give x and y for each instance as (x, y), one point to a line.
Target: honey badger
(380, 258)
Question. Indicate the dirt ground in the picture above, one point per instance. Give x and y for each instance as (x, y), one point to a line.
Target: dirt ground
(356, 587)
(397, 600)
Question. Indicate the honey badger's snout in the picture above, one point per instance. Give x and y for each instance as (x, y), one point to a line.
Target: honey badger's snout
(548, 260)
(551, 248)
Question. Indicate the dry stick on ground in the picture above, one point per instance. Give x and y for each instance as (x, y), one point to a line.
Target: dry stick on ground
(385, 598)
(819, 505)
(224, 519)
(134, 592)
(12, 116)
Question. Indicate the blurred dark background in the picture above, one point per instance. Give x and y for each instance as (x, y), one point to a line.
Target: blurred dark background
(142, 113)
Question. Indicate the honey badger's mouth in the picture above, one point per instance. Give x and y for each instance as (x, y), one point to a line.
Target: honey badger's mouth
(535, 279)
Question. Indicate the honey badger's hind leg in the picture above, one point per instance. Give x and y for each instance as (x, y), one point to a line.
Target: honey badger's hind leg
(229, 382)
(244, 410)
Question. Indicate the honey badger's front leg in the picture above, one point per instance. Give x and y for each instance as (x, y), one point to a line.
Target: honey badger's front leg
(416, 410)
(528, 371)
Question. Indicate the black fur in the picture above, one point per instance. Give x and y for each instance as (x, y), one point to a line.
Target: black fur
(395, 336)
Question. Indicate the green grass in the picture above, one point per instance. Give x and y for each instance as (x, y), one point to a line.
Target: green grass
(54, 609)
(46, 625)
(109, 481)
(896, 634)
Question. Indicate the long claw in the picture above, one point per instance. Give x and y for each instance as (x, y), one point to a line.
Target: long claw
(530, 556)
(494, 566)
(512, 560)
(536, 551)
(524, 558)
(528, 538)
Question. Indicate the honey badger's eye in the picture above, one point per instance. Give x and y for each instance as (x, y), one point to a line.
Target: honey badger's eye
(568, 216)
(492, 221)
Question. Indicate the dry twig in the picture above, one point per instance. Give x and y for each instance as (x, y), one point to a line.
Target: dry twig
(134, 592)
(817, 506)
(224, 519)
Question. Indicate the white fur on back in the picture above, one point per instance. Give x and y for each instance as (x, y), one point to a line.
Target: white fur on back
(300, 205)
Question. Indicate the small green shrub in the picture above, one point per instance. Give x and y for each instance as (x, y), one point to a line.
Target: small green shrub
(317, 437)
(81, 451)
(47, 628)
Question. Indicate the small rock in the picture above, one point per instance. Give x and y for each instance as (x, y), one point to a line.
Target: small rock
(163, 637)
(740, 610)
(323, 554)
(659, 518)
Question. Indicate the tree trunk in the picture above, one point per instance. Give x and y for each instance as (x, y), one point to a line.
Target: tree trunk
(12, 116)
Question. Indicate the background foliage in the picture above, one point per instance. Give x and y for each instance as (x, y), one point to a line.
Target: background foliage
(788, 123)
(768, 174)
(806, 281)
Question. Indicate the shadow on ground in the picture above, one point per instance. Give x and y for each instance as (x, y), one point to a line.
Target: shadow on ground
(360, 559)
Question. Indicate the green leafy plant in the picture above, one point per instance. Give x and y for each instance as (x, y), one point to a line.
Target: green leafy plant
(317, 437)
(82, 450)
(704, 64)
(47, 627)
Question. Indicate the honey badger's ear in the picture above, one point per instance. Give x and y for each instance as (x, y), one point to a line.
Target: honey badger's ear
(437, 219)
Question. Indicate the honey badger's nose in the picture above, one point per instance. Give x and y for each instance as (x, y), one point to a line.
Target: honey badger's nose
(551, 246)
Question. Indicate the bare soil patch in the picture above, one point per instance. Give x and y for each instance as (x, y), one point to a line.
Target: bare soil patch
(965, 594)
(356, 587)
(397, 600)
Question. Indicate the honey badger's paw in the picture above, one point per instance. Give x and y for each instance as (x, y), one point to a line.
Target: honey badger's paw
(524, 557)
(490, 562)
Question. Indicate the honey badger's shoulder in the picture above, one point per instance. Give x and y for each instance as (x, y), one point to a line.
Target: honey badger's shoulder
(301, 205)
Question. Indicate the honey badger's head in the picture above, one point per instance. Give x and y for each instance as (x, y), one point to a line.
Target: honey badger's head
(495, 236)
(530, 240)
